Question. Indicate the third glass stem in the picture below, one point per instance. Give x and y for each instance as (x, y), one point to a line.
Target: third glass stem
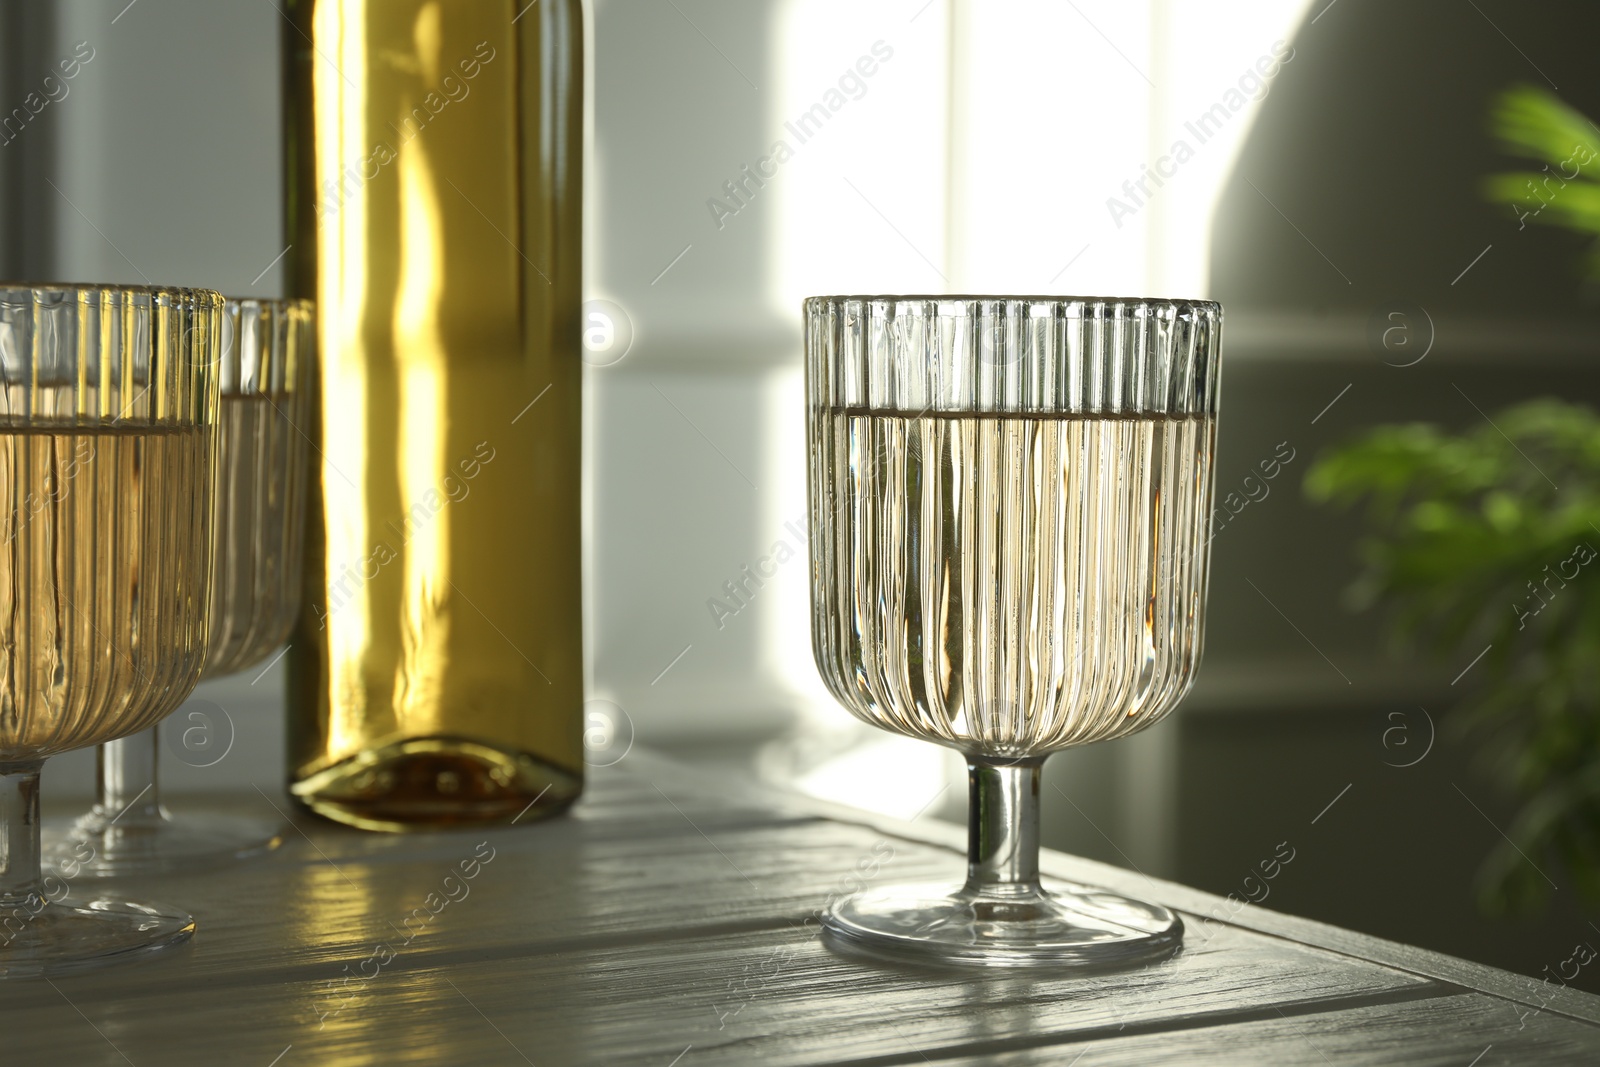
(21, 884)
(1003, 827)
(127, 779)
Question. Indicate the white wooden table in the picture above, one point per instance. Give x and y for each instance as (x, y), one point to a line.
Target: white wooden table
(665, 922)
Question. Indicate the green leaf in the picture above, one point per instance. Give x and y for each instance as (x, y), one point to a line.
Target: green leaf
(1565, 191)
(1479, 538)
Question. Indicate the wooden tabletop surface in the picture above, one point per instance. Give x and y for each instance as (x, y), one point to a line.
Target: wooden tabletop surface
(669, 921)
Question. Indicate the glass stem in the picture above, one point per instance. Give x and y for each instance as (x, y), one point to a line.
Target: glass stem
(21, 880)
(126, 780)
(1003, 827)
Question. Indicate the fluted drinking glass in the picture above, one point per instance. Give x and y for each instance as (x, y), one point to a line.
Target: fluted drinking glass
(108, 416)
(1009, 500)
(265, 417)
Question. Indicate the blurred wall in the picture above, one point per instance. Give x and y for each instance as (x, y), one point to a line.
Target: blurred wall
(682, 467)
(1358, 194)
(156, 161)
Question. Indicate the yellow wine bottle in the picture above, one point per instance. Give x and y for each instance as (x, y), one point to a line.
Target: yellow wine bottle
(434, 156)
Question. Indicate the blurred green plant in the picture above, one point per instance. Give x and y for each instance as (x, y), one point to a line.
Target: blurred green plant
(1490, 537)
(1478, 547)
(1536, 124)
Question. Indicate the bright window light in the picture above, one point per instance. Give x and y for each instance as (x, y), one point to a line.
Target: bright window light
(1022, 146)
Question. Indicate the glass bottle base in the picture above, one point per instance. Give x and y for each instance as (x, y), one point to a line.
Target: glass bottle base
(1065, 925)
(95, 846)
(67, 936)
(436, 782)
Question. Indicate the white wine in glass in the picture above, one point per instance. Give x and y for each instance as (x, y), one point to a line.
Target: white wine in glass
(1009, 504)
(108, 410)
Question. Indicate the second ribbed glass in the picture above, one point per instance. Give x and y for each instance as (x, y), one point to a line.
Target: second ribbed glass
(265, 421)
(1009, 503)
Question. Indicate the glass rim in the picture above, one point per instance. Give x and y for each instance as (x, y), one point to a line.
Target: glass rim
(1013, 354)
(1008, 298)
(133, 289)
(287, 303)
(273, 356)
(112, 355)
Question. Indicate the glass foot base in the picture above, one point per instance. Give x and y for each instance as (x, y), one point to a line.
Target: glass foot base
(1066, 926)
(96, 847)
(69, 935)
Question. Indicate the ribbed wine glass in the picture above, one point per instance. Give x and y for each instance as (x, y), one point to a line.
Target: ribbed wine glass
(265, 376)
(108, 415)
(1009, 499)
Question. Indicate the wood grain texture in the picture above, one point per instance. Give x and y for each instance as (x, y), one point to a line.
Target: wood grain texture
(674, 915)
(775, 997)
(541, 892)
(1215, 913)
(1471, 1028)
